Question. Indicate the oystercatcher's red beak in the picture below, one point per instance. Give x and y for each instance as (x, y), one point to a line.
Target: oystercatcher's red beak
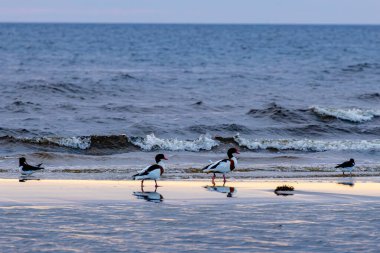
(165, 158)
(237, 152)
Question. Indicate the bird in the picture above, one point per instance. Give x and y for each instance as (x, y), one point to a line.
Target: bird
(347, 166)
(223, 166)
(26, 169)
(152, 172)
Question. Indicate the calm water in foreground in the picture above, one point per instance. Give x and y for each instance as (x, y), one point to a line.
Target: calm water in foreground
(333, 216)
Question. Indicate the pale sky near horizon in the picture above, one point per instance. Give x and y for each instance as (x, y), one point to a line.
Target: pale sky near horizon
(193, 11)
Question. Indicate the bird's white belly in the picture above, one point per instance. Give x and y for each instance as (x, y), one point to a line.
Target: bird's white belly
(155, 174)
(348, 169)
(28, 172)
(223, 169)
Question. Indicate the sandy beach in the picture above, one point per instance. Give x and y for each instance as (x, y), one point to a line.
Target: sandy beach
(335, 215)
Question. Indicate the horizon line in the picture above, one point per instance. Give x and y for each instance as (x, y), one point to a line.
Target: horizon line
(185, 23)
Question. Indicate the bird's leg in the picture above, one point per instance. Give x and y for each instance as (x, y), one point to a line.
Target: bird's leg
(156, 183)
(224, 178)
(142, 183)
(213, 179)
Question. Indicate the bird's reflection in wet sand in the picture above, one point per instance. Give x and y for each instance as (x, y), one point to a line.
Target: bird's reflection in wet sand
(151, 196)
(229, 190)
(24, 178)
(347, 182)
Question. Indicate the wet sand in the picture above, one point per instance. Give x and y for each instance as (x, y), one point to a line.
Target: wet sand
(66, 191)
(184, 216)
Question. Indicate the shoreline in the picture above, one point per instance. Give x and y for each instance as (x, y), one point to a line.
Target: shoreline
(186, 175)
(70, 190)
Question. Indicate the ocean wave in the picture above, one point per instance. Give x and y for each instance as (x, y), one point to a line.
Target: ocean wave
(308, 144)
(77, 142)
(278, 113)
(375, 96)
(350, 114)
(123, 76)
(151, 142)
(361, 67)
(21, 106)
(204, 129)
(51, 87)
(112, 144)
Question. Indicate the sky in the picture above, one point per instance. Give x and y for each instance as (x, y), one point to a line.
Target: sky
(193, 11)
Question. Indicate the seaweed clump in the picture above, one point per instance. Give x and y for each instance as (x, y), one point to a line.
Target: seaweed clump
(284, 190)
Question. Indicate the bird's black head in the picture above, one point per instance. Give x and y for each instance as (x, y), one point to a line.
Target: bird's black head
(232, 151)
(160, 157)
(352, 160)
(21, 161)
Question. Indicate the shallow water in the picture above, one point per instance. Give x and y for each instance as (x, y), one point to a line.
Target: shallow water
(320, 216)
(303, 227)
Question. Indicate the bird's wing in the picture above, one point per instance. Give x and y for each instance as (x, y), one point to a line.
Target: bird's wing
(143, 170)
(149, 169)
(211, 165)
(28, 167)
(216, 165)
(342, 165)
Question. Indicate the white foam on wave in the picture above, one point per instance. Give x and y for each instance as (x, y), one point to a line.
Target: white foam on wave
(350, 114)
(309, 145)
(151, 142)
(70, 142)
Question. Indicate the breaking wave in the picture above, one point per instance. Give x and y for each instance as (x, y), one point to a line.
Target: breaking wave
(350, 114)
(151, 142)
(308, 144)
(112, 144)
(119, 142)
(69, 142)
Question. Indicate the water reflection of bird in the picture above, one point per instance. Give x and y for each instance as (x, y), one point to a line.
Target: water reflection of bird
(222, 189)
(347, 166)
(223, 166)
(152, 172)
(149, 195)
(23, 179)
(348, 182)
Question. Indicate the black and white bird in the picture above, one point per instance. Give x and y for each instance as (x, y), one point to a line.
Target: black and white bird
(152, 172)
(223, 166)
(26, 169)
(347, 166)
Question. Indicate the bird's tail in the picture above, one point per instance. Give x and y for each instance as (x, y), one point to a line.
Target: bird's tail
(205, 170)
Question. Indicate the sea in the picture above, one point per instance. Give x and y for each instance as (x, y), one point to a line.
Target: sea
(100, 100)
